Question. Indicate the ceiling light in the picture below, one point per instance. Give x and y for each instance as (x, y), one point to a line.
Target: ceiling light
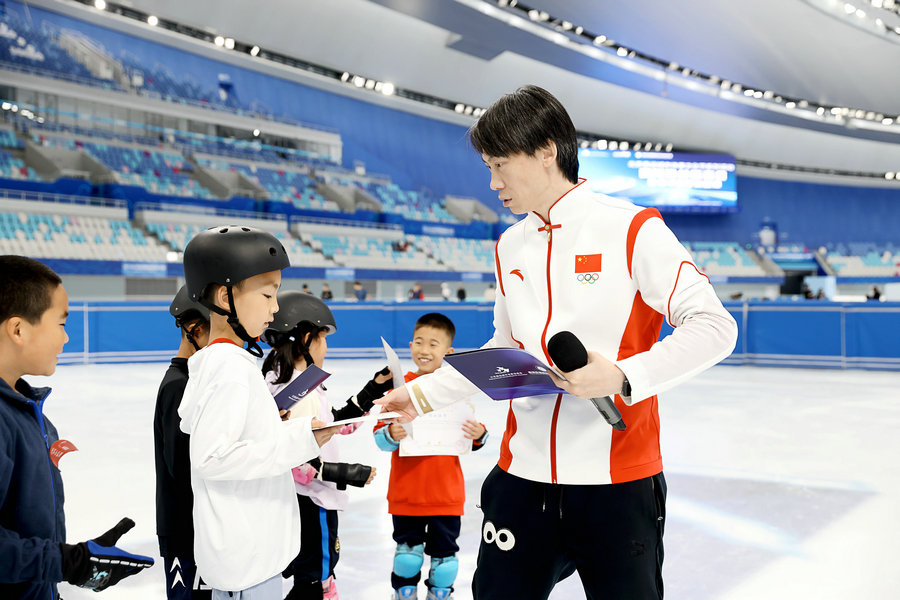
(387, 89)
(459, 108)
(359, 81)
(861, 13)
(579, 30)
(254, 51)
(219, 41)
(370, 84)
(100, 4)
(849, 9)
(820, 111)
(599, 39)
(534, 15)
(669, 147)
(889, 175)
(256, 133)
(566, 25)
(345, 77)
(152, 21)
(790, 105)
(622, 51)
(887, 121)
(229, 43)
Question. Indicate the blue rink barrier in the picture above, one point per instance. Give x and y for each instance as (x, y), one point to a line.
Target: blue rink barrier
(784, 334)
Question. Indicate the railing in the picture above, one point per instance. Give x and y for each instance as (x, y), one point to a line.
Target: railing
(29, 196)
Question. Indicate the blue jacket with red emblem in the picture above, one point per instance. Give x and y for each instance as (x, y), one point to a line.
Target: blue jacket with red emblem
(32, 523)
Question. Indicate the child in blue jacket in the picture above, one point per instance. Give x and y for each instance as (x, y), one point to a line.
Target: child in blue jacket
(33, 554)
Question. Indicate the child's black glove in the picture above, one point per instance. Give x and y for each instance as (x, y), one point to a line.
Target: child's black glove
(372, 391)
(344, 474)
(98, 564)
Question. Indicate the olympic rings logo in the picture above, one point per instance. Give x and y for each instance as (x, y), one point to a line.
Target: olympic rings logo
(589, 278)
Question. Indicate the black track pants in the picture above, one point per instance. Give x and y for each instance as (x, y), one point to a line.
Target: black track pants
(535, 534)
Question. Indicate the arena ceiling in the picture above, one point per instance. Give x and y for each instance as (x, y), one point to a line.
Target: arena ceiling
(459, 49)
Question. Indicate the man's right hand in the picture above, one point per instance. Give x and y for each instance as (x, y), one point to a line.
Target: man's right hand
(398, 400)
(325, 433)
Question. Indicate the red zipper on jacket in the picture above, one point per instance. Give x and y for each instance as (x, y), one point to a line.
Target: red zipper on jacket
(548, 227)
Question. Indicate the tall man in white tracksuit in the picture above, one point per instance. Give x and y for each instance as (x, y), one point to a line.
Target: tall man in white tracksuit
(569, 492)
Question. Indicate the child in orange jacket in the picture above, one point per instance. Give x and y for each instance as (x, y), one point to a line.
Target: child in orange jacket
(426, 494)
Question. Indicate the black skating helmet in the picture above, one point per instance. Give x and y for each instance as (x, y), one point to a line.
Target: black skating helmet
(184, 310)
(294, 309)
(183, 305)
(229, 254)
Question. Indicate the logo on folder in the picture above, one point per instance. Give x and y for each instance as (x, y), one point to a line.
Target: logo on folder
(587, 267)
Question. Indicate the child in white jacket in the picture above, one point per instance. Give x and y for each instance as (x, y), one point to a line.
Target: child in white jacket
(297, 336)
(246, 522)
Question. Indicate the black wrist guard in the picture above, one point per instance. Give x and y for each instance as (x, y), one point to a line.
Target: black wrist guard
(344, 474)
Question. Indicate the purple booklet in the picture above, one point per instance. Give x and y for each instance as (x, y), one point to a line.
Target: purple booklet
(504, 373)
(296, 390)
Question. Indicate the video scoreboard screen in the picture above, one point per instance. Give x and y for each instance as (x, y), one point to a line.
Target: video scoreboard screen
(667, 181)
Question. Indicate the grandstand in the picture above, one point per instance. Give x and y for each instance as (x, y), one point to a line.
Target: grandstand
(167, 144)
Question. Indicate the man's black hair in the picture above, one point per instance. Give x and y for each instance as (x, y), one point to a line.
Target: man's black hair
(26, 287)
(438, 321)
(524, 122)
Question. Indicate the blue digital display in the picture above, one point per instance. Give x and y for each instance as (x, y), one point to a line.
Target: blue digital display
(667, 181)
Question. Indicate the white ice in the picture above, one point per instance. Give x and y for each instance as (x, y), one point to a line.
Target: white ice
(783, 483)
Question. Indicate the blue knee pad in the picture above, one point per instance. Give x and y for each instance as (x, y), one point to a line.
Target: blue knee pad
(408, 560)
(443, 571)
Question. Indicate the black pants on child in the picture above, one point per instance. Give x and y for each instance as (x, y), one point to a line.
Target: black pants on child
(439, 534)
(536, 534)
(182, 581)
(320, 550)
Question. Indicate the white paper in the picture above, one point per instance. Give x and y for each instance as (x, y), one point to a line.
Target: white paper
(394, 364)
(439, 432)
(396, 368)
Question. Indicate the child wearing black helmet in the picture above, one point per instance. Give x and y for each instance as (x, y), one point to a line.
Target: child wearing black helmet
(174, 525)
(246, 519)
(297, 336)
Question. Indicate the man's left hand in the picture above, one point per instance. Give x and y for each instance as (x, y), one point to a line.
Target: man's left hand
(598, 378)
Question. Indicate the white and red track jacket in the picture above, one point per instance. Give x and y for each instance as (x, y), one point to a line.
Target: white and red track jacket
(610, 272)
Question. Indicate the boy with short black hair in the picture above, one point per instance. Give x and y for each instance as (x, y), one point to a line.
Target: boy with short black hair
(246, 518)
(426, 494)
(33, 554)
(174, 499)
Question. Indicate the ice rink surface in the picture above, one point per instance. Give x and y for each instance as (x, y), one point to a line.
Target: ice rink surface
(783, 483)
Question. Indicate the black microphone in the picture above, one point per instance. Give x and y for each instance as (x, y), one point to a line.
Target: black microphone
(569, 354)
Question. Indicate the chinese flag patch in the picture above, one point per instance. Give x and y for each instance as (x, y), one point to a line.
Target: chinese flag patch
(59, 449)
(587, 263)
